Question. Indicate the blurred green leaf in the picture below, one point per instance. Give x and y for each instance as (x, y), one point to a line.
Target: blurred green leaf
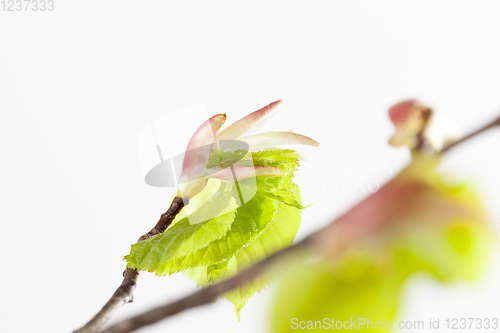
(367, 283)
(352, 288)
(437, 229)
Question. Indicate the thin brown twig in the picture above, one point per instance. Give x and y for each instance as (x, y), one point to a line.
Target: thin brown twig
(124, 293)
(492, 124)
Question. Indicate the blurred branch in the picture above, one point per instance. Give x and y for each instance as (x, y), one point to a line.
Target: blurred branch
(492, 124)
(124, 293)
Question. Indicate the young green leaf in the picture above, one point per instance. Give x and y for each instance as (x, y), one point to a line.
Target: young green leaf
(242, 233)
(250, 220)
(278, 188)
(184, 237)
(278, 236)
(212, 187)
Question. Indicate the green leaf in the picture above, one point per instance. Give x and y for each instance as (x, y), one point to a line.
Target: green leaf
(367, 282)
(222, 159)
(455, 252)
(277, 188)
(353, 288)
(184, 238)
(250, 220)
(278, 236)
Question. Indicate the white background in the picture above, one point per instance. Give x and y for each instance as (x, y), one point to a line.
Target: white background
(78, 83)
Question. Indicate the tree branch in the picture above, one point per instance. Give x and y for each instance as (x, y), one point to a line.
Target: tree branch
(494, 123)
(206, 295)
(166, 218)
(124, 293)
(210, 294)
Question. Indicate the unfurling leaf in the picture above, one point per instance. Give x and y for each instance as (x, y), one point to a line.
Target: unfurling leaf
(238, 236)
(199, 147)
(243, 206)
(198, 155)
(235, 130)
